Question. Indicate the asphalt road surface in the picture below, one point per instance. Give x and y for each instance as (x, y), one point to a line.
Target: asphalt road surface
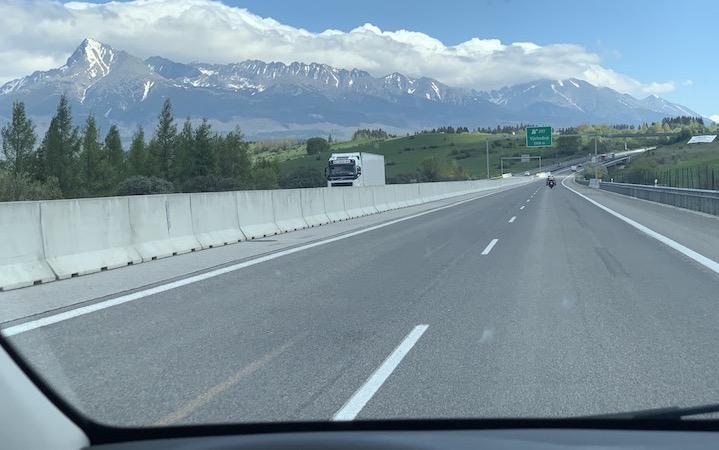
(527, 302)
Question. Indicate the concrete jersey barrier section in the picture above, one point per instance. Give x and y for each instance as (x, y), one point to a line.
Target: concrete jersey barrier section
(353, 202)
(313, 206)
(22, 258)
(179, 224)
(214, 218)
(87, 235)
(256, 213)
(335, 204)
(44, 241)
(287, 205)
(150, 232)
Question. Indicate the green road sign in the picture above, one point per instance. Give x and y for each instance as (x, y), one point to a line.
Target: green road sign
(539, 136)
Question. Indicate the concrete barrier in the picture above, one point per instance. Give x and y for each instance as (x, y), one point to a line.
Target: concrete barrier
(256, 214)
(22, 260)
(367, 200)
(148, 225)
(214, 218)
(383, 198)
(430, 192)
(409, 194)
(353, 202)
(313, 206)
(335, 204)
(87, 235)
(393, 198)
(287, 205)
(179, 224)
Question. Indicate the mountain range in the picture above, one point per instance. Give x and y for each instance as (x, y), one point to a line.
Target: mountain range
(276, 99)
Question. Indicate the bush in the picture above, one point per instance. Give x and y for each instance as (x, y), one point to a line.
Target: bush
(317, 145)
(303, 177)
(140, 185)
(402, 178)
(209, 183)
(22, 187)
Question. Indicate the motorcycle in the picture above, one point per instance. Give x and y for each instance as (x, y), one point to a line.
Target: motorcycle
(551, 183)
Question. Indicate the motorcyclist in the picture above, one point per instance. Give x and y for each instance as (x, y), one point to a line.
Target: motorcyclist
(550, 181)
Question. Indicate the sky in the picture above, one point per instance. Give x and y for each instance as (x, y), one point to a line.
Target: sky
(638, 47)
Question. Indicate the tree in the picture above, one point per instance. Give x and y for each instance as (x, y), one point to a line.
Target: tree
(94, 169)
(184, 144)
(265, 174)
(317, 145)
(430, 170)
(202, 157)
(568, 145)
(137, 156)
(58, 153)
(233, 158)
(162, 148)
(18, 141)
(141, 185)
(114, 152)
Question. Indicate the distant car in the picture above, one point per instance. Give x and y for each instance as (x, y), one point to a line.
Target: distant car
(526, 174)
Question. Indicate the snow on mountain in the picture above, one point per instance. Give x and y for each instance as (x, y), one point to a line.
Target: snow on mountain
(301, 98)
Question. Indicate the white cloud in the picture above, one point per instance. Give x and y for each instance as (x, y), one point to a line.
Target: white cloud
(39, 35)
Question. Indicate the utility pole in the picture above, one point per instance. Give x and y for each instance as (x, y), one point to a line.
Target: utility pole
(487, 147)
(595, 145)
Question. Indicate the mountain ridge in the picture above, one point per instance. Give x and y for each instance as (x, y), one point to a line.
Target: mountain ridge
(301, 99)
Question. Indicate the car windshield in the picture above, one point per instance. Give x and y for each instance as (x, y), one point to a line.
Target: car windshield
(530, 228)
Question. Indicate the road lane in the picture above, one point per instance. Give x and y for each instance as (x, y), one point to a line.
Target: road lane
(584, 315)
(343, 307)
(571, 312)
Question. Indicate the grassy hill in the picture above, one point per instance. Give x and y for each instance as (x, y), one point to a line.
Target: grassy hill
(680, 165)
(459, 155)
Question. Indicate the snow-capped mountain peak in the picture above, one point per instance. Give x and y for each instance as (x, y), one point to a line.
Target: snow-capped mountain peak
(124, 89)
(95, 56)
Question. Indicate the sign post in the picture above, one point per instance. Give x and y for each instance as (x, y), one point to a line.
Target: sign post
(539, 137)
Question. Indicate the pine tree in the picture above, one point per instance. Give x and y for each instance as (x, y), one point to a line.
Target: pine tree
(58, 153)
(115, 154)
(18, 141)
(202, 157)
(137, 156)
(162, 148)
(184, 144)
(233, 157)
(94, 169)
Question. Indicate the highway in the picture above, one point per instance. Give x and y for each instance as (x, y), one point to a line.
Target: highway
(527, 302)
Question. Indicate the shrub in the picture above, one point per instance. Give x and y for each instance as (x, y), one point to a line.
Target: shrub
(141, 185)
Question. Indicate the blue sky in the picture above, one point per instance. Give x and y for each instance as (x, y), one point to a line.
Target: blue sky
(648, 40)
(639, 47)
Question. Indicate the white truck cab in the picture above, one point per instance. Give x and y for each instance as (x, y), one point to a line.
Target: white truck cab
(355, 169)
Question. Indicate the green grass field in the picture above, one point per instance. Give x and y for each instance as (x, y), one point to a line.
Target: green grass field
(679, 165)
(404, 155)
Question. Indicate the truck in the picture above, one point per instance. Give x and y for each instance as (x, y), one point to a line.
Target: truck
(355, 169)
(573, 168)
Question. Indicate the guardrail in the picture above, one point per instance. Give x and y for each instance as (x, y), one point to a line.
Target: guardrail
(695, 199)
(49, 240)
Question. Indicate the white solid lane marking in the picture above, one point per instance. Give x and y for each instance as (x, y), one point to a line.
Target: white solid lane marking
(522, 207)
(490, 246)
(370, 387)
(81, 311)
(686, 251)
(512, 219)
